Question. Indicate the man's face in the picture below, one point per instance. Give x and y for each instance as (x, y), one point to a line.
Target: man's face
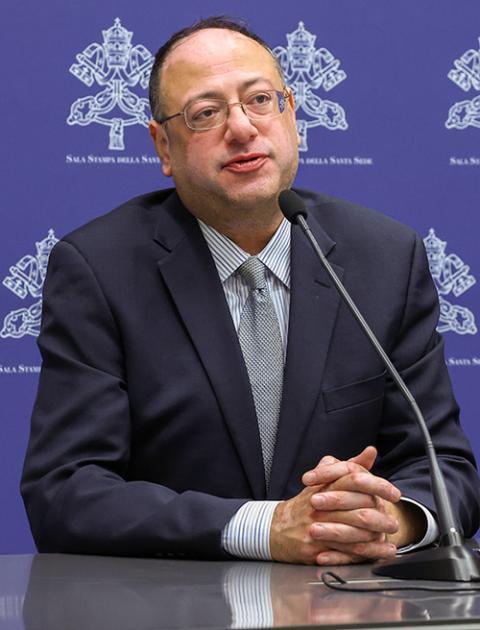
(243, 163)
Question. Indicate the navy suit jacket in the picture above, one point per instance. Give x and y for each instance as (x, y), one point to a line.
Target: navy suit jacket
(144, 438)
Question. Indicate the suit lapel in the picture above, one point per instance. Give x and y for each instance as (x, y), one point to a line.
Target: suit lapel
(313, 309)
(191, 277)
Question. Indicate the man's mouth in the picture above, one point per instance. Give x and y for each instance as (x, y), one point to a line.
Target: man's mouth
(247, 162)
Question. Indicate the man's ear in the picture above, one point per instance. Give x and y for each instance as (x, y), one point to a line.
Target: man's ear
(162, 145)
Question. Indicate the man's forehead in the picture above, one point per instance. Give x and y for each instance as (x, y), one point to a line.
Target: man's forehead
(214, 46)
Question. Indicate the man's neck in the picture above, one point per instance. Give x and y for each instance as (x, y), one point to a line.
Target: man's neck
(250, 231)
(248, 224)
(252, 237)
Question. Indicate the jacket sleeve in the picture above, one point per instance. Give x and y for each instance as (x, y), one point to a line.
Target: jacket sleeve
(418, 353)
(75, 480)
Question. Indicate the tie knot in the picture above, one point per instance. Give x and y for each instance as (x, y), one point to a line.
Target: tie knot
(253, 272)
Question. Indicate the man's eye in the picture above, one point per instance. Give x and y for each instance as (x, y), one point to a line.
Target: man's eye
(205, 113)
(260, 99)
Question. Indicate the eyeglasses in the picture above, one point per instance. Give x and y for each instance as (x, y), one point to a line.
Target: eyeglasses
(210, 113)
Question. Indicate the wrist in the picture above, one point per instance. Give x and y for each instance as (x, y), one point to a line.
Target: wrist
(278, 520)
(412, 523)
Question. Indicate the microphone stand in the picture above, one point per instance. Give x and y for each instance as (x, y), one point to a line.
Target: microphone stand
(452, 560)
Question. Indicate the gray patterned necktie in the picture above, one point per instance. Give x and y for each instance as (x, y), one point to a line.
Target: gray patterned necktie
(261, 343)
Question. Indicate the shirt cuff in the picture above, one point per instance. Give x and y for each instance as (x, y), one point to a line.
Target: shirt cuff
(247, 533)
(432, 528)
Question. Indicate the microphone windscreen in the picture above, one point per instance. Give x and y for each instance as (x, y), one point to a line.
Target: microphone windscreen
(291, 205)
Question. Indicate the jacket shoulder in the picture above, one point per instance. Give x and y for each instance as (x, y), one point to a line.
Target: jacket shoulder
(133, 219)
(353, 225)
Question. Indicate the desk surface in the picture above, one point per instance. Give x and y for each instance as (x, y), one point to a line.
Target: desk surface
(66, 592)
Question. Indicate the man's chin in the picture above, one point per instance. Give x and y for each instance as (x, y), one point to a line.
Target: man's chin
(252, 194)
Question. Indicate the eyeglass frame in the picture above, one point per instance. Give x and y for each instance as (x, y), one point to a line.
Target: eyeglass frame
(285, 94)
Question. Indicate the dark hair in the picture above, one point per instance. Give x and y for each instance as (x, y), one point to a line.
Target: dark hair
(217, 21)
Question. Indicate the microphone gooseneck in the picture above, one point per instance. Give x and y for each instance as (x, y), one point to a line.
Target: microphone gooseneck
(452, 560)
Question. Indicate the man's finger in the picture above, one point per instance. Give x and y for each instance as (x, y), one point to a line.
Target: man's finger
(340, 533)
(328, 473)
(359, 481)
(366, 458)
(374, 550)
(363, 460)
(365, 518)
(342, 500)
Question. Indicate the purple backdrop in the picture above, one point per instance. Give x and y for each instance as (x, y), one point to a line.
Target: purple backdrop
(389, 96)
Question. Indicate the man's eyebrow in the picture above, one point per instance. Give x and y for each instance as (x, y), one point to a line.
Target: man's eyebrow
(217, 94)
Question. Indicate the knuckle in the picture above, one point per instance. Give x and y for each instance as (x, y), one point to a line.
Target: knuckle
(307, 553)
(335, 532)
(357, 477)
(363, 549)
(306, 539)
(334, 500)
(364, 517)
(367, 536)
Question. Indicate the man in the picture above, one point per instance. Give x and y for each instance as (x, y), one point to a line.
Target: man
(157, 429)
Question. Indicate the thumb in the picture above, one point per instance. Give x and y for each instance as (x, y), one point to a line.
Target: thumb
(366, 458)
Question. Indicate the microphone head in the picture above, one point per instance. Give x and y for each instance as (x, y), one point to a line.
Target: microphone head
(292, 205)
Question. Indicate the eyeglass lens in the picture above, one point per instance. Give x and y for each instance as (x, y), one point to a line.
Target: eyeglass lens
(209, 113)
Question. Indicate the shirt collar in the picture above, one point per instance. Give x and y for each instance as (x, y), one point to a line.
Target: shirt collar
(228, 256)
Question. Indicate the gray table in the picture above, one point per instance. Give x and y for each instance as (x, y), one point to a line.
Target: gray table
(66, 592)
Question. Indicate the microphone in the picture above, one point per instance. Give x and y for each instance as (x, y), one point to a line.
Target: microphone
(452, 560)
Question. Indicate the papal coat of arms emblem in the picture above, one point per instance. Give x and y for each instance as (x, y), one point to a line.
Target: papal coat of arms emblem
(466, 74)
(26, 279)
(307, 69)
(451, 276)
(117, 66)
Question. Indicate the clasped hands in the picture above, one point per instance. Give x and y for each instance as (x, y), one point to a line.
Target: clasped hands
(344, 515)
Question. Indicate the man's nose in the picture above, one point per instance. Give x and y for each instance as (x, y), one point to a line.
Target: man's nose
(238, 126)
